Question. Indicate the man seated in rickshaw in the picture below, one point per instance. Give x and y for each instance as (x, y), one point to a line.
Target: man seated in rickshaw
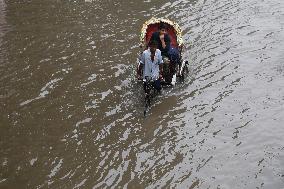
(164, 45)
(163, 39)
(151, 64)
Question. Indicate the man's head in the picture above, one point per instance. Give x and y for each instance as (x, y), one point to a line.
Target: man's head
(163, 28)
(153, 45)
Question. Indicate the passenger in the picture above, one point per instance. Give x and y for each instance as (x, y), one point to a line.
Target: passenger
(152, 64)
(163, 39)
(170, 54)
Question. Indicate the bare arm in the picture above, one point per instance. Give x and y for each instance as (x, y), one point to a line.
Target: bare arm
(167, 43)
(161, 70)
(140, 67)
(139, 71)
(162, 38)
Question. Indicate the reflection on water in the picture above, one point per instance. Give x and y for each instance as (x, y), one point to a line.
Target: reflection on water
(72, 112)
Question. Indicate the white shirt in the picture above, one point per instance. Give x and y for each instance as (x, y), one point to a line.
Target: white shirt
(151, 68)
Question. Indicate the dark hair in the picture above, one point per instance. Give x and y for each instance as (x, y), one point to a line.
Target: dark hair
(153, 43)
(162, 26)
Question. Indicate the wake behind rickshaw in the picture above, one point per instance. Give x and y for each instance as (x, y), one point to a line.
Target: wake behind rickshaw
(172, 69)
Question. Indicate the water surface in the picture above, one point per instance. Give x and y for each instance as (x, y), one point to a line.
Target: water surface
(72, 112)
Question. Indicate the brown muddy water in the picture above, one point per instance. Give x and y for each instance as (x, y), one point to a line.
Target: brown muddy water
(72, 111)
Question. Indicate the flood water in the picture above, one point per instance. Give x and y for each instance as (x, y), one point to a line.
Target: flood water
(71, 111)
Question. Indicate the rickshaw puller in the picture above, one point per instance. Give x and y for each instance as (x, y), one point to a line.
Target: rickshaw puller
(152, 64)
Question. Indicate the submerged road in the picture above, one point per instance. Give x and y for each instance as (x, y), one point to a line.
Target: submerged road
(71, 112)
